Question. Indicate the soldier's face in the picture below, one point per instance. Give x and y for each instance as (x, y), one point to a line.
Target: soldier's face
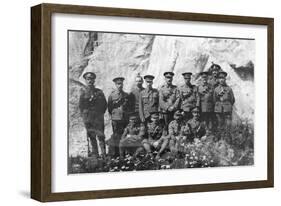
(187, 80)
(90, 81)
(149, 84)
(119, 85)
(204, 80)
(222, 80)
(139, 82)
(215, 73)
(169, 80)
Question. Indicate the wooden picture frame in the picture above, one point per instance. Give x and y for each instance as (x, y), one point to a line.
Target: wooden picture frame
(41, 97)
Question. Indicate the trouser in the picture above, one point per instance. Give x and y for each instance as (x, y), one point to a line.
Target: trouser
(159, 144)
(129, 144)
(167, 117)
(92, 134)
(224, 121)
(118, 127)
(207, 118)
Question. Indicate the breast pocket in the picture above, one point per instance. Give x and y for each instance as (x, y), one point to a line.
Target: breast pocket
(145, 99)
(166, 94)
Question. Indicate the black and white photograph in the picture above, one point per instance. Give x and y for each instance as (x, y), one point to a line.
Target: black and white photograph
(158, 101)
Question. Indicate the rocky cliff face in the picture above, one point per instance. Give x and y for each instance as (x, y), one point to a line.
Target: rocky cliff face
(110, 55)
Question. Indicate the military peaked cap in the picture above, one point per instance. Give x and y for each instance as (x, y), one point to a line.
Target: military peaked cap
(169, 74)
(148, 77)
(215, 67)
(186, 74)
(91, 75)
(195, 109)
(178, 113)
(204, 74)
(118, 79)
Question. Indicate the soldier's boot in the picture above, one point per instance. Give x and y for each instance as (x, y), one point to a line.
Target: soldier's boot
(115, 146)
(138, 152)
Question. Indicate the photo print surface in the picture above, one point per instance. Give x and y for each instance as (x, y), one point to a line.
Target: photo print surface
(153, 102)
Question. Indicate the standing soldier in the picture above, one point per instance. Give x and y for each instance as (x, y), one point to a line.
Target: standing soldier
(205, 100)
(149, 99)
(135, 94)
(118, 106)
(92, 105)
(169, 98)
(214, 70)
(193, 128)
(188, 96)
(224, 100)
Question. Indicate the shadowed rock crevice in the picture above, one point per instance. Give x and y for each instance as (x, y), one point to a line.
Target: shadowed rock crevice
(245, 72)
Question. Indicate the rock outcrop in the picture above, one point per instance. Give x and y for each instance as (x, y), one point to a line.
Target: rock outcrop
(112, 54)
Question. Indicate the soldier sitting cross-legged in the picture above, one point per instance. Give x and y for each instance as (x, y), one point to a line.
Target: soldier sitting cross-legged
(132, 136)
(193, 129)
(174, 131)
(154, 138)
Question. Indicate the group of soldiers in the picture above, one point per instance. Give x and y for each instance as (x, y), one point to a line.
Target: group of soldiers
(147, 119)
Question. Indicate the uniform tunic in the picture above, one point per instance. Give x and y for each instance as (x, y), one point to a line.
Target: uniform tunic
(169, 99)
(193, 129)
(223, 98)
(205, 95)
(154, 131)
(213, 81)
(188, 97)
(149, 102)
(118, 105)
(169, 96)
(174, 128)
(134, 98)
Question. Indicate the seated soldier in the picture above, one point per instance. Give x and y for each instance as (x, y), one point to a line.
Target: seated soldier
(154, 139)
(174, 131)
(132, 136)
(193, 128)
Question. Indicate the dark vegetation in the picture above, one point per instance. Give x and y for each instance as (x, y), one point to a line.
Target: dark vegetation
(232, 148)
